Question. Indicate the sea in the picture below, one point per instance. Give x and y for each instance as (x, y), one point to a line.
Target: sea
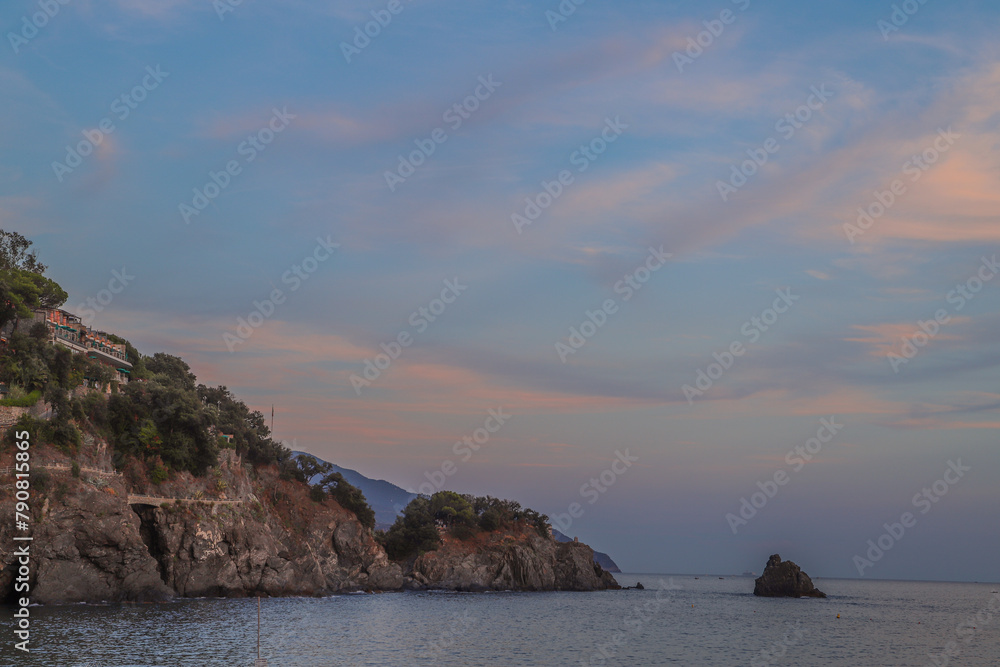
(674, 620)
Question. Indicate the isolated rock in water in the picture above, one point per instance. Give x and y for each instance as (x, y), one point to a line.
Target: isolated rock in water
(785, 579)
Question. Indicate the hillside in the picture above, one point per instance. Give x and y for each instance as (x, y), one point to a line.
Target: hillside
(244, 530)
(145, 484)
(240, 531)
(600, 557)
(388, 500)
(385, 498)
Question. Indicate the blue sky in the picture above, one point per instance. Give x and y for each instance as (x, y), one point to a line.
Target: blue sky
(868, 100)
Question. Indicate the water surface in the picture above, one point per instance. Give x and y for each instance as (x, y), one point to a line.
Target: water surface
(708, 621)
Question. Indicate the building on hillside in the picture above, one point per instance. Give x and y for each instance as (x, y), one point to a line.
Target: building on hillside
(68, 330)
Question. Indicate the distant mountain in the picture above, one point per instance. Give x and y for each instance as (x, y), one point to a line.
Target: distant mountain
(385, 498)
(600, 558)
(388, 501)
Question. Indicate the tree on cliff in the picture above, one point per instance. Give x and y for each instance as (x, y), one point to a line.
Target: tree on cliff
(178, 416)
(349, 497)
(416, 530)
(328, 482)
(413, 533)
(452, 508)
(251, 436)
(15, 253)
(22, 285)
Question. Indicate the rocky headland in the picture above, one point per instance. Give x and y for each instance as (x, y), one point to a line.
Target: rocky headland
(513, 559)
(243, 531)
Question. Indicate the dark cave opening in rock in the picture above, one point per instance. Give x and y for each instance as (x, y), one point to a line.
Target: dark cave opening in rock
(150, 536)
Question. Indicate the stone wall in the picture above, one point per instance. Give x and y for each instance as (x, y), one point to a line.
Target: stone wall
(9, 414)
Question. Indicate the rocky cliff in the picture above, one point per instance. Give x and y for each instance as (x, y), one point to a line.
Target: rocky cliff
(91, 544)
(512, 559)
(245, 532)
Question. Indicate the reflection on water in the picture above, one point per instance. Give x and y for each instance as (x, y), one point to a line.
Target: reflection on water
(708, 622)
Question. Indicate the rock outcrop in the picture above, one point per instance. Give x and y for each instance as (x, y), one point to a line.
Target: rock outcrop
(515, 559)
(88, 549)
(785, 579)
(235, 551)
(91, 544)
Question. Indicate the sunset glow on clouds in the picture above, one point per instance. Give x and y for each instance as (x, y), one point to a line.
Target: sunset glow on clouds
(861, 294)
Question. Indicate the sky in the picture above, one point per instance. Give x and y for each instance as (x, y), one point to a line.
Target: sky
(723, 272)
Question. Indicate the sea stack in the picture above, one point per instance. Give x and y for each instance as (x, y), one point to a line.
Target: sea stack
(785, 579)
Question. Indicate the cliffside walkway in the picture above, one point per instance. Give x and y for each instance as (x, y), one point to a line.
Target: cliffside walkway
(156, 501)
(133, 499)
(61, 466)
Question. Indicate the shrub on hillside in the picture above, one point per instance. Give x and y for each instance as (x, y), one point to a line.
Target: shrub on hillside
(416, 531)
(23, 400)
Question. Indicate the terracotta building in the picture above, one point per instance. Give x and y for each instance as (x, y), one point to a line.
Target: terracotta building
(68, 330)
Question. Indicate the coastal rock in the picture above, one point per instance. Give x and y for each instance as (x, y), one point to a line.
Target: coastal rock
(88, 549)
(601, 558)
(294, 547)
(785, 579)
(91, 545)
(515, 559)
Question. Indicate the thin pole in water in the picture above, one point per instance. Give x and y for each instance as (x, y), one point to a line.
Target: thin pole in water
(258, 628)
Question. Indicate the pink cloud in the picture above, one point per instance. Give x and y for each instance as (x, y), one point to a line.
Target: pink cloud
(887, 337)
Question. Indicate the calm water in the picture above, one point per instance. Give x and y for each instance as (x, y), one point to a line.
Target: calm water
(707, 622)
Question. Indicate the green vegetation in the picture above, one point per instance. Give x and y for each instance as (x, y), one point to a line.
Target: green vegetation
(40, 479)
(334, 485)
(162, 419)
(22, 400)
(22, 285)
(464, 516)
